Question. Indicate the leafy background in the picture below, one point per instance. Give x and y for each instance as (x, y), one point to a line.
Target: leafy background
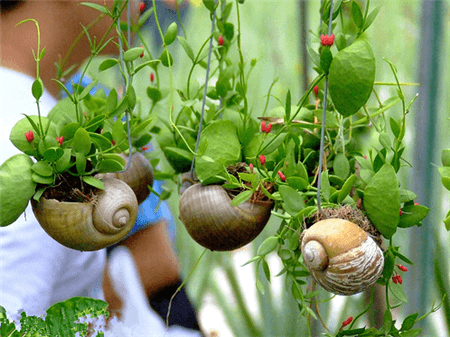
(224, 291)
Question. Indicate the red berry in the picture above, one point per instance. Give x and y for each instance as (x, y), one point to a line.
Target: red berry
(29, 136)
(220, 40)
(144, 148)
(141, 7)
(268, 128)
(113, 142)
(316, 90)
(152, 77)
(401, 212)
(262, 159)
(60, 140)
(394, 279)
(263, 126)
(327, 40)
(347, 321)
(282, 176)
(142, 55)
(402, 268)
(399, 279)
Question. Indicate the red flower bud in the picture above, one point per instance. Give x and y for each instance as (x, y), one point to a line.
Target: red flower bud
(113, 142)
(262, 159)
(263, 126)
(282, 176)
(144, 148)
(316, 90)
(220, 40)
(402, 268)
(327, 40)
(251, 168)
(401, 212)
(268, 128)
(394, 279)
(60, 140)
(152, 77)
(142, 55)
(347, 321)
(141, 7)
(399, 279)
(29, 136)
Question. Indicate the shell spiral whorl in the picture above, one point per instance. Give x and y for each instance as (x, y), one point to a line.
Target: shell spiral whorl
(341, 257)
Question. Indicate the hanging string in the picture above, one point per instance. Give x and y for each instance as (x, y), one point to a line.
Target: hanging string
(322, 133)
(127, 118)
(205, 91)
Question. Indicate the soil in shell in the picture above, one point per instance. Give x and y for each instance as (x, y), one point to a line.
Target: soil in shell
(69, 188)
(348, 213)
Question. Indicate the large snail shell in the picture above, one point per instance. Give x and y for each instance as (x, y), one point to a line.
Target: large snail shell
(213, 223)
(138, 176)
(90, 226)
(341, 257)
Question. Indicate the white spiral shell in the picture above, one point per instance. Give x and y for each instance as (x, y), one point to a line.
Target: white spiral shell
(341, 257)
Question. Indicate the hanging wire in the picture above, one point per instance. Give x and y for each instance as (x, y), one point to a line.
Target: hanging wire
(127, 118)
(206, 89)
(322, 134)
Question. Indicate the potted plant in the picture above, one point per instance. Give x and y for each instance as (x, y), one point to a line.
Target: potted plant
(73, 167)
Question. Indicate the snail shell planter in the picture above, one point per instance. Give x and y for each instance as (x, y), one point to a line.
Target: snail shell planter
(341, 256)
(89, 226)
(213, 223)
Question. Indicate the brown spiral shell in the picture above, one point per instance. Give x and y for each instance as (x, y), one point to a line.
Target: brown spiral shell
(213, 223)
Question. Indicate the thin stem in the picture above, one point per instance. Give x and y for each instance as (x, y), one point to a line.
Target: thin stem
(242, 75)
(205, 89)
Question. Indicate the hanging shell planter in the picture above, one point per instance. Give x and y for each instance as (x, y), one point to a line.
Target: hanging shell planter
(341, 256)
(213, 223)
(90, 226)
(138, 176)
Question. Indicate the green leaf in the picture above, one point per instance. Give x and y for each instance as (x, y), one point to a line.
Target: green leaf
(382, 201)
(171, 34)
(187, 48)
(268, 245)
(406, 195)
(387, 322)
(100, 141)
(209, 4)
(37, 178)
(108, 63)
(346, 188)
(150, 63)
(118, 132)
(412, 215)
(241, 198)
(212, 141)
(397, 291)
(154, 94)
(326, 57)
(409, 321)
(109, 165)
(371, 17)
(81, 141)
(37, 89)
(16, 187)
(297, 183)
(165, 58)
(53, 154)
(68, 130)
(395, 127)
(117, 157)
(80, 162)
(144, 17)
(411, 333)
(292, 199)
(42, 168)
(94, 123)
(93, 182)
(266, 269)
(341, 166)
(17, 135)
(445, 176)
(325, 188)
(63, 163)
(259, 284)
(111, 102)
(132, 54)
(351, 77)
(445, 157)
(102, 9)
(314, 55)
(384, 140)
(288, 106)
(357, 15)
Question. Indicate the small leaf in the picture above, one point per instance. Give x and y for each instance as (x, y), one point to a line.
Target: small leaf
(345, 190)
(111, 102)
(409, 321)
(187, 48)
(371, 17)
(53, 154)
(297, 183)
(341, 166)
(37, 178)
(93, 182)
(268, 245)
(241, 198)
(132, 54)
(292, 199)
(288, 106)
(63, 163)
(397, 291)
(80, 162)
(109, 165)
(165, 58)
(326, 57)
(357, 15)
(412, 215)
(266, 269)
(259, 284)
(118, 132)
(325, 189)
(384, 140)
(445, 176)
(395, 127)
(101, 9)
(81, 141)
(37, 89)
(445, 157)
(171, 34)
(154, 94)
(108, 63)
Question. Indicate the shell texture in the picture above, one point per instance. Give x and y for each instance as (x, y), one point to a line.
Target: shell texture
(90, 226)
(352, 263)
(213, 223)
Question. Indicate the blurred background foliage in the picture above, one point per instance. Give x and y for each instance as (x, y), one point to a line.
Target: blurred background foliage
(223, 291)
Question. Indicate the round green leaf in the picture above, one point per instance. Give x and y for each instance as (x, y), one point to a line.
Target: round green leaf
(16, 187)
(80, 162)
(53, 154)
(37, 89)
(47, 143)
(68, 130)
(341, 166)
(171, 34)
(17, 135)
(81, 141)
(108, 63)
(345, 190)
(412, 215)
(37, 178)
(154, 94)
(382, 201)
(132, 54)
(93, 182)
(42, 168)
(351, 77)
(109, 165)
(326, 57)
(63, 163)
(165, 57)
